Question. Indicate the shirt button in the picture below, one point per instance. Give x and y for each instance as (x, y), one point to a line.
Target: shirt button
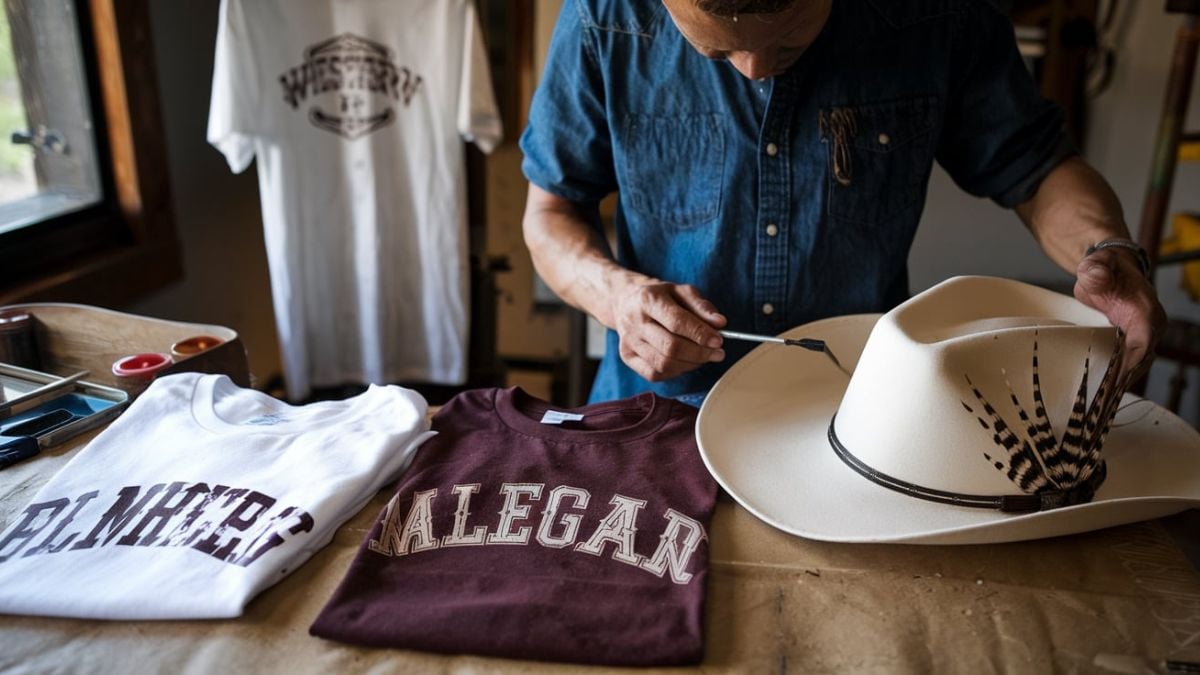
(884, 139)
(772, 149)
(768, 308)
(772, 230)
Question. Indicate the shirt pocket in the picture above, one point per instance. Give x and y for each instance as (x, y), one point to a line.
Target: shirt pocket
(879, 157)
(674, 167)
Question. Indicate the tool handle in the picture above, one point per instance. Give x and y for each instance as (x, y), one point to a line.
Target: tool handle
(43, 390)
(16, 448)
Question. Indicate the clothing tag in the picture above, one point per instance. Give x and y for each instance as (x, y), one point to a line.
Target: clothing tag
(556, 417)
(266, 420)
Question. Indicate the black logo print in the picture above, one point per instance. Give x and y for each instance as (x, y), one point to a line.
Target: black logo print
(354, 84)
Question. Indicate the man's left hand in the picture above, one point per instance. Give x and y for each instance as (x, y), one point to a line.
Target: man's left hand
(1110, 281)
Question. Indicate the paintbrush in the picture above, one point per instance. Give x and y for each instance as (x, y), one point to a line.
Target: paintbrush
(811, 344)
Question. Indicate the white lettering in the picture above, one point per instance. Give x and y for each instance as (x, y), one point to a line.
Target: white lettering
(459, 537)
(513, 511)
(671, 555)
(619, 527)
(570, 521)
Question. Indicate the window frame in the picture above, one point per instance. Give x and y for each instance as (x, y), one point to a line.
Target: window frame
(127, 246)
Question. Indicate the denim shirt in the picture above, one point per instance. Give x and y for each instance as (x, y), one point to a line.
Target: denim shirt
(794, 198)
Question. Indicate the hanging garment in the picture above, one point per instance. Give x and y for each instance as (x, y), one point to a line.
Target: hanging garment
(356, 112)
(198, 497)
(525, 532)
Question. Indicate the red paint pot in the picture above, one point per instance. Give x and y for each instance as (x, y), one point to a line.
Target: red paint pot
(141, 366)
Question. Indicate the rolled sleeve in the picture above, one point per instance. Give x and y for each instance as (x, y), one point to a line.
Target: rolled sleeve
(567, 145)
(1001, 136)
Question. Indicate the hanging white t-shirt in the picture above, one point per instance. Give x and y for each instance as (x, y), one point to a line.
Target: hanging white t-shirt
(198, 497)
(356, 112)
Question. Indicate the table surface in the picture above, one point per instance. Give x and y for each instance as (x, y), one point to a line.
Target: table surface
(1109, 601)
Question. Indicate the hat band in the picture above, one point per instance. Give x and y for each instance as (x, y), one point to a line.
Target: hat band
(1042, 501)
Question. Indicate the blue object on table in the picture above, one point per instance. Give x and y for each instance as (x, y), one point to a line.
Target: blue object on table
(20, 441)
(23, 435)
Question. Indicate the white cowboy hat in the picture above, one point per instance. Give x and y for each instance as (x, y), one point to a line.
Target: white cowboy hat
(963, 422)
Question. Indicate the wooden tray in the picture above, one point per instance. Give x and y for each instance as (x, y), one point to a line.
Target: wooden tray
(77, 337)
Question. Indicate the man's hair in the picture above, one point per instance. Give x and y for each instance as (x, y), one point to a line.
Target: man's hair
(735, 7)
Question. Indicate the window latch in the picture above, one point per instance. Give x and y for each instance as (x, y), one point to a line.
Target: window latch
(42, 138)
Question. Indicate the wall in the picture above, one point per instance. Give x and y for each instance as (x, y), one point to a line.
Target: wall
(963, 235)
(216, 212)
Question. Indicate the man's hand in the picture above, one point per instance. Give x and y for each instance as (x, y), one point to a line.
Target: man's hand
(1110, 281)
(665, 329)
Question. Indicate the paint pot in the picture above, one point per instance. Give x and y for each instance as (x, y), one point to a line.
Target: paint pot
(193, 345)
(18, 346)
(135, 372)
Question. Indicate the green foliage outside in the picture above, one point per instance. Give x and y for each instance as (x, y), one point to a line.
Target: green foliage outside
(13, 158)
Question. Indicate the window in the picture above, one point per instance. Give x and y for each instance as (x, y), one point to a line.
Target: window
(84, 201)
(48, 163)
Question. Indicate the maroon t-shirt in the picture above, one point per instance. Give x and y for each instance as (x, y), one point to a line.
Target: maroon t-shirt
(584, 541)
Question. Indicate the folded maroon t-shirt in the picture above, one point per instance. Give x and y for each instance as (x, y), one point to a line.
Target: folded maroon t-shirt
(583, 541)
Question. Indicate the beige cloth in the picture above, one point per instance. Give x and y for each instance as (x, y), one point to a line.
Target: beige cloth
(1111, 601)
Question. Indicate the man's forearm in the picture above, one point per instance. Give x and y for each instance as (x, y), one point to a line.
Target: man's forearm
(571, 254)
(1073, 208)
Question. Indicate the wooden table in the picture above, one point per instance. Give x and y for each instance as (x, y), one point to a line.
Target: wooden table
(1115, 599)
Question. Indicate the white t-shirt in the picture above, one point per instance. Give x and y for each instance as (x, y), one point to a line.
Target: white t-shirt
(198, 497)
(356, 112)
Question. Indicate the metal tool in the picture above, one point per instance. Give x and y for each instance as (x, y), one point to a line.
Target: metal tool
(28, 438)
(810, 344)
(48, 388)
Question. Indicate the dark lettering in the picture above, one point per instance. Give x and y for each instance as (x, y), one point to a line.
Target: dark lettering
(48, 545)
(162, 512)
(241, 519)
(274, 539)
(120, 514)
(22, 532)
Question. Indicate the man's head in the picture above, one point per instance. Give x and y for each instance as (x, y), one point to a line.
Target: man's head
(760, 38)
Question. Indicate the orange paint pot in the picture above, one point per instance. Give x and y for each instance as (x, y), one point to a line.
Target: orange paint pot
(194, 345)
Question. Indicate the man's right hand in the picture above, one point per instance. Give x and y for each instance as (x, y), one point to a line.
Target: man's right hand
(665, 329)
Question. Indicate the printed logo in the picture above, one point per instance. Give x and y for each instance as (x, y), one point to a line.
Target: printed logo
(354, 84)
(565, 523)
(234, 525)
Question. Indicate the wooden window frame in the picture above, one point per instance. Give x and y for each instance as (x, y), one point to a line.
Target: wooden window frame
(128, 246)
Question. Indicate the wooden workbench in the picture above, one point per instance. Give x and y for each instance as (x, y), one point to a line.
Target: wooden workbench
(1119, 598)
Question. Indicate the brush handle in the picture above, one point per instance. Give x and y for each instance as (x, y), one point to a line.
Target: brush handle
(807, 343)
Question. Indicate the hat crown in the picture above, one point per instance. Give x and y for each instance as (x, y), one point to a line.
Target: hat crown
(971, 386)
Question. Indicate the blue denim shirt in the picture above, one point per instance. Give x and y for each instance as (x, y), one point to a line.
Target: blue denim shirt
(790, 199)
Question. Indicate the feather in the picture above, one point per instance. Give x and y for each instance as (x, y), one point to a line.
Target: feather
(1104, 408)
(1022, 466)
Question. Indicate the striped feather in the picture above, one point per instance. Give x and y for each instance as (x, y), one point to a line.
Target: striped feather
(1022, 466)
(1042, 433)
(1064, 463)
(1103, 409)
(1050, 464)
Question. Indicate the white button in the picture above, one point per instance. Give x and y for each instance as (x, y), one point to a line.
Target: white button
(884, 139)
(772, 230)
(772, 149)
(768, 308)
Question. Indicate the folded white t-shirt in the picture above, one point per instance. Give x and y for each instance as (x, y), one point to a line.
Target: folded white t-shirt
(198, 497)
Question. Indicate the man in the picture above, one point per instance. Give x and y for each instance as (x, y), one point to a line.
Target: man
(772, 159)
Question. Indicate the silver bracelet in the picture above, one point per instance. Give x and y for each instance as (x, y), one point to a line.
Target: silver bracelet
(1143, 260)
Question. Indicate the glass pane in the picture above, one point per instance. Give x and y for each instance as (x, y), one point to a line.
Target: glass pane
(48, 161)
(17, 180)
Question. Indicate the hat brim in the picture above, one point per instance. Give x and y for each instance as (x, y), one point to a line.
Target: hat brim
(762, 434)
